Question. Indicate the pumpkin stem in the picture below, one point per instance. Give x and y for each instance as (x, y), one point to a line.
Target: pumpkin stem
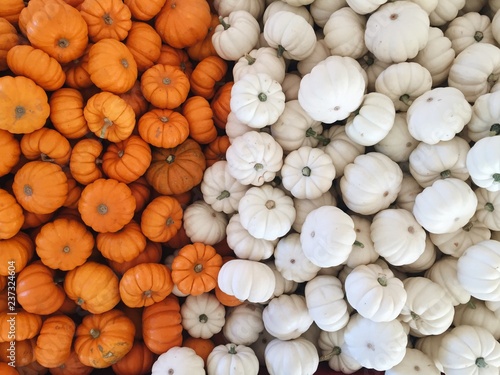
(270, 204)
(492, 78)
(95, 333)
(166, 81)
(481, 363)
(414, 316)
(232, 349)
(80, 301)
(107, 124)
(28, 190)
(98, 161)
(281, 50)
(102, 209)
(471, 305)
(148, 293)
(108, 20)
(66, 249)
(170, 159)
(496, 177)
(262, 97)
(276, 181)
(169, 222)
(405, 98)
(258, 166)
(120, 153)
(224, 194)
(478, 36)
(198, 268)
(335, 351)
(124, 62)
(382, 280)
(445, 174)
(63, 43)
(203, 318)
(321, 138)
(20, 111)
(163, 119)
(224, 24)
(45, 157)
(251, 60)
(359, 244)
(369, 60)
(467, 227)
(494, 130)
(306, 171)
(489, 207)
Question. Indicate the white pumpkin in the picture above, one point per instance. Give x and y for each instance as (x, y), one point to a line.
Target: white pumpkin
(290, 34)
(478, 270)
(243, 323)
(307, 172)
(280, 6)
(485, 117)
(444, 273)
(333, 89)
(320, 52)
(410, 188)
(445, 11)
(292, 357)
(244, 245)
(493, 306)
(371, 183)
(334, 350)
(322, 9)
(365, 7)
(424, 261)
(254, 7)
(475, 313)
(257, 100)
(235, 127)
(290, 260)
(437, 56)
(363, 251)
(254, 158)
(403, 82)
(445, 206)
(375, 345)
(304, 206)
(430, 346)
(247, 280)
(479, 351)
(327, 236)
(261, 60)
(232, 359)
(325, 303)
(260, 345)
(428, 309)
(438, 114)
(203, 224)
(180, 361)
(488, 208)
(266, 212)
(341, 148)
(236, 35)
(414, 362)
(344, 33)
(372, 121)
(298, 3)
(494, 5)
(286, 317)
(202, 315)
(283, 286)
(474, 6)
(468, 29)
(398, 143)
(483, 163)
(473, 76)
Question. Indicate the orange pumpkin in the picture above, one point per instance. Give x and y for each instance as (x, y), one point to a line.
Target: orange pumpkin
(216, 150)
(127, 160)
(206, 75)
(202, 347)
(66, 113)
(135, 99)
(176, 170)
(123, 245)
(8, 39)
(205, 47)
(27, 325)
(199, 116)
(37, 289)
(138, 361)
(11, 215)
(93, 286)
(161, 325)
(24, 60)
(220, 104)
(144, 11)
(10, 9)
(109, 116)
(141, 191)
(103, 339)
(176, 57)
(53, 345)
(145, 45)
(106, 205)
(84, 163)
(151, 254)
(145, 284)
(11, 152)
(32, 220)
(7, 369)
(24, 105)
(165, 86)
(112, 66)
(195, 268)
(77, 75)
(74, 191)
(183, 23)
(163, 128)
(72, 366)
(31, 8)
(74, 3)
(24, 352)
(47, 145)
(106, 19)
(40, 187)
(161, 219)
(64, 244)
(59, 30)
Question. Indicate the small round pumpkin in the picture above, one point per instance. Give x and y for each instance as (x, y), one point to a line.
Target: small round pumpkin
(145, 45)
(11, 215)
(53, 345)
(24, 349)
(72, 365)
(47, 145)
(8, 39)
(27, 325)
(123, 245)
(151, 254)
(163, 128)
(84, 163)
(16, 252)
(141, 191)
(66, 113)
(144, 11)
(165, 86)
(206, 74)
(199, 115)
(176, 57)
(106, 19)
(11, 152)
(161, 219)
(138, 361)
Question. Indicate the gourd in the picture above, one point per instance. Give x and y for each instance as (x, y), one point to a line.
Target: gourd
(254, 7)
(398, 143)
(483, 163)
(304, 206)
(444, 272)
(487, 208)
(468, 29)
(485, 117)
(295, 357)
(475, 313)
(244, 323)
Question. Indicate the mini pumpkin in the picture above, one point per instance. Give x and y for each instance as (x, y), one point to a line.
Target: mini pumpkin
(11, 213)
(19, 250)
(66, 112)
(47, 145)
(106, 19)
(161, 219)
(165, 86)
(12, 151)
(199, 116)
(145, 45)
(123, 245)
(85, 162)
(206, 74)
(163, 128)
(53, 344)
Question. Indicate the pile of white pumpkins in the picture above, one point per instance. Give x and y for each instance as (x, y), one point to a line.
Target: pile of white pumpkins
(361, 190)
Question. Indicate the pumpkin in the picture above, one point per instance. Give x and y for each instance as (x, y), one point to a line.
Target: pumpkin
(484, 117)
(165, 86)
(93, 286)
(10, 10)
(66, 113)
(196, 217)
(332, 348)
(320, 52)
(27, 325)
(220, 104)
(206, 74)
(29, 10)
(476, 313)
(47, 145)
(72, 365)
(202, 347)
(230, 357)
(443, 13)
(178, 169)
(122, 245)
(484, 175)
(135, 99)
(53, 344)
(17, 251)
(59, 30)
(161, 219)
(127, 160)
(163, 128)
(195, 268)
(11, 214)
(24, 107)
(103, 339)
(23, 352)
(414, 360)
(161, 325)
(142, 11)
(138, 361)
(204, 47)
(198, 114)
(109, 117)
(486, 211)
(294, 357)
(216, 150)
(224, 7)
(444, 273)
(106, 205)
(106, 19)
(202, 315)
(77, 76)
(141, 191)
(468, 29)
(38, 291)
(145, 45)
(145, 284)
(85, 163)
(179, 360)
(176, 57)
(151, 254)
(245, 314)
(46, 73)
(12, 152)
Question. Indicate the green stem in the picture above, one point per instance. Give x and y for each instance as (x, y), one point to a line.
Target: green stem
(405, 98)
(494, 130)
(251, 60)
(445, 174)
(232, 349)
(359, 244)
(335, 351)
(306, 171)
(382, 280)
(471, 305)
(224, 24)
(281, 50)
(496, 177)
(224, 194)
(321, 138)
(478, 36)
(481, 363)
(489, 207)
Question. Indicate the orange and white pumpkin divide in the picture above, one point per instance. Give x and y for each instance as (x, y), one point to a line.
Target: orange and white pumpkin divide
(251, 187)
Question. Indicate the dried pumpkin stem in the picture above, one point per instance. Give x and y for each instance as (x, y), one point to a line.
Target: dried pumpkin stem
(28, 190)
(270, 204)
(445, 174)
(95, 333)
(203, 318)
(335, 351)
(232, 349)
(481, 363)
(224, 24)
(108, 20)
(405, 98)
(494, 130)
(107, 124)
(102, 209)
(224, 194)
(478, 36)
(251, 60)
(467, 227)
(496, 177)
(281, 50)
(63, 43)
(198, 268)
(358, 244)
(489, 207)
(66, 249)
(169, 221)
(258, 166)
(170, 159)
(20, 111)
